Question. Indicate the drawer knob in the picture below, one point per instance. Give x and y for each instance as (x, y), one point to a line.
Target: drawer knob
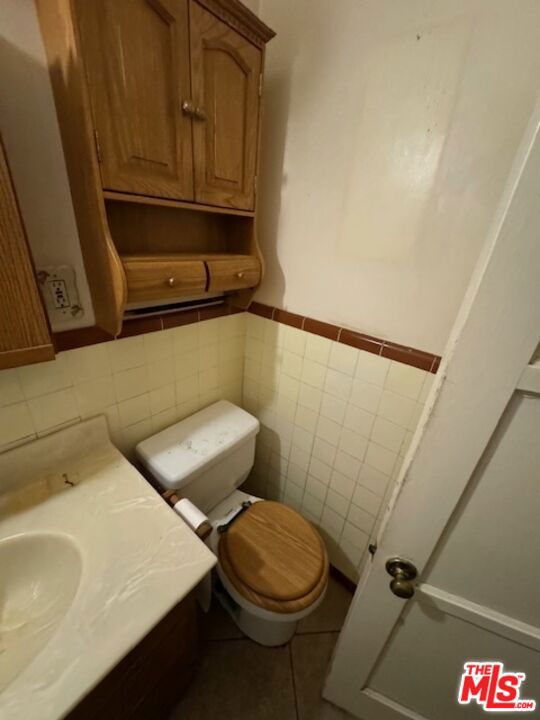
(240, 275)
(171, 282)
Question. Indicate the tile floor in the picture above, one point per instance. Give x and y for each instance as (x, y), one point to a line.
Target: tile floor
(236, 678)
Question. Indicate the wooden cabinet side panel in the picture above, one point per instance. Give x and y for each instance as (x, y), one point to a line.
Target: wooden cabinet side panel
(225, 76)
(103, 267)
(24, 330)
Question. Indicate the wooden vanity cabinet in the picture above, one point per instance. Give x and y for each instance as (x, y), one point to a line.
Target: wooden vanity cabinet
(159, 109)
(24, 330)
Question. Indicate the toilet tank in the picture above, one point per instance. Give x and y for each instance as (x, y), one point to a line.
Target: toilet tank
(205, 456)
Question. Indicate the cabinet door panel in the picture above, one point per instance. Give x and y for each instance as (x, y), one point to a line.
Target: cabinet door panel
(225, 71)
(137, 62)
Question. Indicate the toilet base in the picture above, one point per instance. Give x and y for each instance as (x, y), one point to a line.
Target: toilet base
(269, 633)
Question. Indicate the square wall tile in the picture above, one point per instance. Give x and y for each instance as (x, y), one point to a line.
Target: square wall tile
(159, 345)
(405, 380)
(365, 395)
(15, 424)
(380, 458)
(347, 464)
(318, 349)
(294, 340)
(328, 430)
(160, 372)
(313, 373)
(367, 500)
(88, 363)
(353, 444)
(310, 397)
(134, 410)
(44, 378)
(342, 484)
(316, 488)
(313, 506)
(57, 408)
(373, 480)
(324, 451)
(306, 418)
(162, 399)
(396, 408)
(343, 358)
(127, 353)
(355, 536)
(337, 503)
(372, 368)
(320, 470)
(338, 384)
(300, 457)
(130, 383)
(94, 395)
(10, 388)
(289, 387)
(359, 421)
(333, 408)
(361, 519)
(388, 434)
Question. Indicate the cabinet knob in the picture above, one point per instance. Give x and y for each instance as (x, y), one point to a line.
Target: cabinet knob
(171, 282)
(239, 275)
(193, 111)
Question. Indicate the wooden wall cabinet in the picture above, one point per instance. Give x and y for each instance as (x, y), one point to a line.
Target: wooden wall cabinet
(24, 329)
(159, 108)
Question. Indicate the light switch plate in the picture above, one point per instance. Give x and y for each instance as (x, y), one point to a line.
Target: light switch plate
(59, 290)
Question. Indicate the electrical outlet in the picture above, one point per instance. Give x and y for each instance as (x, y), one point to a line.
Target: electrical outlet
(59, 290)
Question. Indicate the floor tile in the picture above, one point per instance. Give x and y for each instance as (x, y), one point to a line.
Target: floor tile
(311, 656)
(241, 680)
(330, 614)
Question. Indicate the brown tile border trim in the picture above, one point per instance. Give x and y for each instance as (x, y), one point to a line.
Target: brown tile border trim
(377, 346)
(70, 339)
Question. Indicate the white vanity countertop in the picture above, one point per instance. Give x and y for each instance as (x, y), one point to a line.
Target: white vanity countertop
(138, 559)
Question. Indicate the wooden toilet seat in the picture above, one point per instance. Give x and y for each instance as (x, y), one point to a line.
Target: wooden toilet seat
(274, 558)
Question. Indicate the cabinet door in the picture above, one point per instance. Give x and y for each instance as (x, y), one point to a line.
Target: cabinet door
(24, 331)
(225, 72)
(136, 56)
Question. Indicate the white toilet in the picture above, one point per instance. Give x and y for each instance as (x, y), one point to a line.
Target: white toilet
(272, 563)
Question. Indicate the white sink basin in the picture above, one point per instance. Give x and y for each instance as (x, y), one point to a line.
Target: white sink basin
(39, 577)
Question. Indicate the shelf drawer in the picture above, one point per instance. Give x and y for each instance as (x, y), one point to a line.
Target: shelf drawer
(163, 278)
(235, 273)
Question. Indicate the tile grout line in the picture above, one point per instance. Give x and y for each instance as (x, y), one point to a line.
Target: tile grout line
(291, 664)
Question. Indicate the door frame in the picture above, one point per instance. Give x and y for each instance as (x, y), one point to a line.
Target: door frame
(473, 387)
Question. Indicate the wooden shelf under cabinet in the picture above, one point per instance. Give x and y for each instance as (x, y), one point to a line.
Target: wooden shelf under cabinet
(168, 277)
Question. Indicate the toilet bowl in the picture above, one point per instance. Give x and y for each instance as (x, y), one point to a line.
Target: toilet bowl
(272, 568)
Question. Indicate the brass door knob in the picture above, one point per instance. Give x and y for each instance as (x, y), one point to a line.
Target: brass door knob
(403, 573)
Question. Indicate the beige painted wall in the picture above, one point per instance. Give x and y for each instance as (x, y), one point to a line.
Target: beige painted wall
(30, 131)
(389, 130)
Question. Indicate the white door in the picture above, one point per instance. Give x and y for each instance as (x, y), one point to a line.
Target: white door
(466, 511)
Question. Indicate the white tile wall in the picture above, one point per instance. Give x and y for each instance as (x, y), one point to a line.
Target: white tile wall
(336, 423)
(142, 384)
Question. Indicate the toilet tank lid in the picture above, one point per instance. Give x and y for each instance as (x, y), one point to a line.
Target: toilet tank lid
(176, 455)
